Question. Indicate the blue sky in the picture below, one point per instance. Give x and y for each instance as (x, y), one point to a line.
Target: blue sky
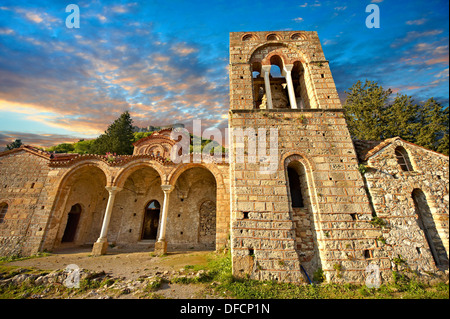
(167, 61)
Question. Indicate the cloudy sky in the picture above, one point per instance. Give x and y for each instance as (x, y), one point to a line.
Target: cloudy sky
(167, 61)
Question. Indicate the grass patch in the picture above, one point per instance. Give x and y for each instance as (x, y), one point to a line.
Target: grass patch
(219, 270)
(7, 259)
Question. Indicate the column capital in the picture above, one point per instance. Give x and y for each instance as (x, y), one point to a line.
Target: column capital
(167, 188)
(113, 189)
(286, 68)
(265, 69)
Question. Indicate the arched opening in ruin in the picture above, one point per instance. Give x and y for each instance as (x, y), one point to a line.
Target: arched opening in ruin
(428, 226)
(278, 84)
(151, 220)
(302, 213)
(403, 159)
(136, 213)
(299, 83)
(268, 62)
(192, 210)
(78, 212)
(258, 84)
(72, 224)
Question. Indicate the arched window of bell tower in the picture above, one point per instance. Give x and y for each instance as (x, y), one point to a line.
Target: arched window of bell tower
(299, 84)
(278, 84)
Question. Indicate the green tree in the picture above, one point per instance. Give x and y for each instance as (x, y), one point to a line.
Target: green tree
(16, 144)
(365, 109)
(118, 138)
(139, 135)
(371, 115)
(62, 148)
(400, 118)
(433, 126)
(83, 147)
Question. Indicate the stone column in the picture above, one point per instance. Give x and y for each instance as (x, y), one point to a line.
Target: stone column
(287, 74)
(265, 71)
(161, 244)
(101, 244)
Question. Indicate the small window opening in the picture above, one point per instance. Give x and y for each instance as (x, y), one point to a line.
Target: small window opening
(367, 254)
(403, 159)
(32, 185)
(294, 185)
(251, 252)
(354, 216)
(245, 215)
(3, 210)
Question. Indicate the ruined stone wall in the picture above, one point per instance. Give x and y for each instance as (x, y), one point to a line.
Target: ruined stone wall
(391, 191)
(85, 183)
(22, 179)
(194, 187)
(270, 239)
(127, 218)
(264, 238)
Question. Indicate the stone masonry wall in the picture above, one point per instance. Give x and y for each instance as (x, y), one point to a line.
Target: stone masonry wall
(263, 228)
(391, 192)
(267, 234)
(22, 179)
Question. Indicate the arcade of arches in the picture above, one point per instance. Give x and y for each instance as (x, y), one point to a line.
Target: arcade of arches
(142, 210)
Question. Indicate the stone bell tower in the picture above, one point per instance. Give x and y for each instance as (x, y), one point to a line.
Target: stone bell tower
(310, 211)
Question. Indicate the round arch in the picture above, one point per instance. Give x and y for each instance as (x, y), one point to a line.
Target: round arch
(291, 157)
(288, 157)
(276, 57)
(303, 58)
(102, 166)
(173, 175)
(95, 169)
(133, 166)
(301, 62)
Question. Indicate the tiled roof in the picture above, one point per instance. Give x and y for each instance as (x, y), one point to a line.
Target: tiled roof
(29, 149)
(365, 149)
(362, 147)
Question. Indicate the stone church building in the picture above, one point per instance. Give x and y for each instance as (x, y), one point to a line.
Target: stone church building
(333, 203)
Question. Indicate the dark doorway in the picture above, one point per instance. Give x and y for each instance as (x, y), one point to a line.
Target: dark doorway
(151, 220)
(72, 224)
(428, 226)
(295, 189)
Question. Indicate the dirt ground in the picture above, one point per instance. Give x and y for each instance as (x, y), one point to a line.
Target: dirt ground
(128, 264)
